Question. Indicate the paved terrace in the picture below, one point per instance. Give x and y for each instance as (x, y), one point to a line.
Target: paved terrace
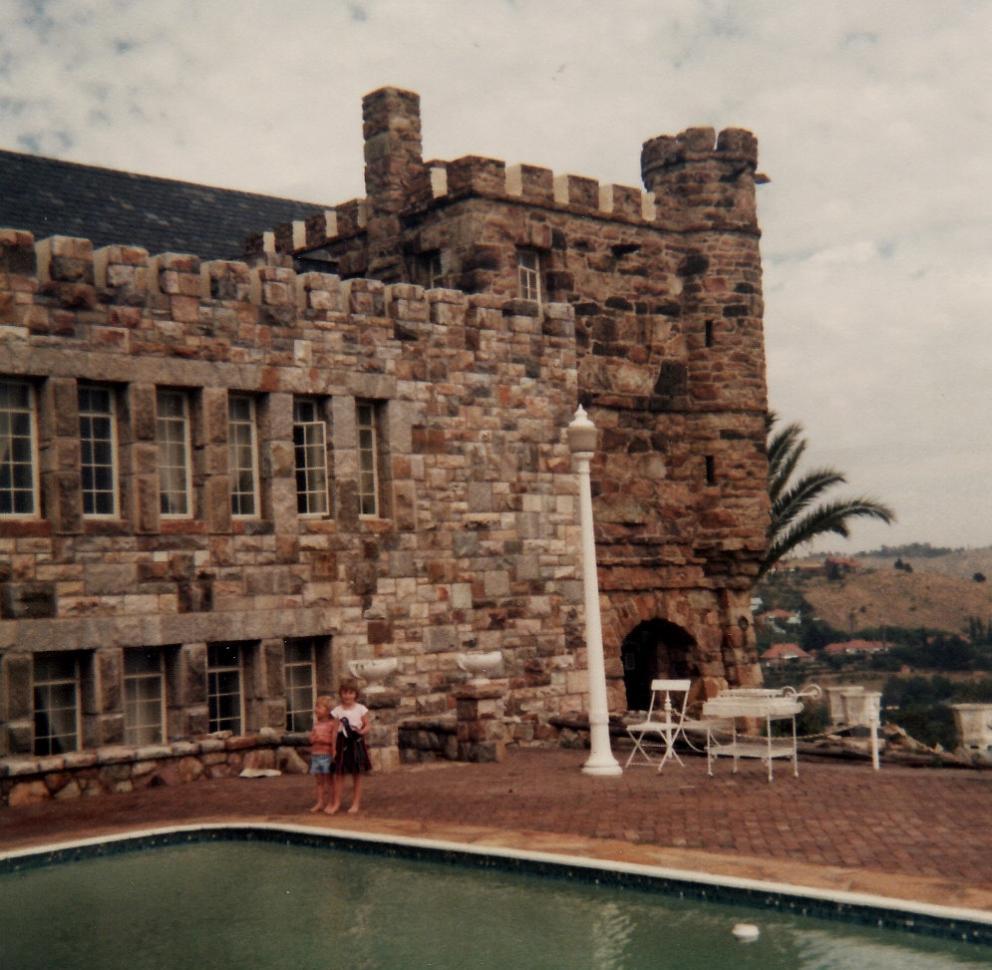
(920, 834)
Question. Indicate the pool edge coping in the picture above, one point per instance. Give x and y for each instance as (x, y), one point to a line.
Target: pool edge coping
(892, 908)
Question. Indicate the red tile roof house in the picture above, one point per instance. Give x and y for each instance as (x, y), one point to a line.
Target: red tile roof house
(780, 653)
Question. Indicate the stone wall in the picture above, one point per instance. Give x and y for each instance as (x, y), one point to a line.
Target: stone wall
(473, 547)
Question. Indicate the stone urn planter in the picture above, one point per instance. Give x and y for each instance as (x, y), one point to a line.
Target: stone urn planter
(861, 706)
(480, 665)
(837, 703)
(373, 671)
(974, 724)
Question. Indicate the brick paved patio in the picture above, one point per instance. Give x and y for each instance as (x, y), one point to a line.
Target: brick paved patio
(924, 834)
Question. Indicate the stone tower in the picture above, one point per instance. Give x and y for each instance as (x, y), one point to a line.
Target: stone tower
(665, 285)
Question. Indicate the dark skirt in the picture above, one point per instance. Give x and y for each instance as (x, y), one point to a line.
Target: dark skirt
(352, 755)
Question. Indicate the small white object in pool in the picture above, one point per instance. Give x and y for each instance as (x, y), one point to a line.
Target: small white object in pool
(746, 932)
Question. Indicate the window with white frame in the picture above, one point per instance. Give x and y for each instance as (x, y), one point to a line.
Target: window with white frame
(242, 447)
(368, 457)
(98, 450)
(18, 449)
(175, 481)
(301, 680)
(56, 703)
(529, 274)
(224, 693)
(144, 696)
(310, 447)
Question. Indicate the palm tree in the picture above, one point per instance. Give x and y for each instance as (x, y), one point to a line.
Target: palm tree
(795, 520)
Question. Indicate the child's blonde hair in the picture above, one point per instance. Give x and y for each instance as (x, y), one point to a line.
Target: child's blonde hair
(325, 701)
(349, 684)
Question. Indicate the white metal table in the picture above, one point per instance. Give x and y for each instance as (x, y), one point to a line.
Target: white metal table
(759, 704)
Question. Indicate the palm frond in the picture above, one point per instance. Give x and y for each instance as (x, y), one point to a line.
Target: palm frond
(795, 518)
(802, 494)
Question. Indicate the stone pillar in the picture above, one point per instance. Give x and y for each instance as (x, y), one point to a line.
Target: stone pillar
(480, 729)
(60, 454)
(265, 687)
(102, 690)
(211, 440)
(188, 713)
(278, 463)
(143, 466)
(16, 703)
(383, 740)
(395, 175)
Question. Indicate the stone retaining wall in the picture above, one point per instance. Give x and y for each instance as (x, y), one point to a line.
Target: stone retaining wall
(117, 768)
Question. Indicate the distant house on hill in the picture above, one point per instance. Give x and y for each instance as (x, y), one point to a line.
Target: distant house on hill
(776, 619)
(835, 566)
(782, 653)
(854, 647)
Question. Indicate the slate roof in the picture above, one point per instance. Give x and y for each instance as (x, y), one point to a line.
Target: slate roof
(50, 197)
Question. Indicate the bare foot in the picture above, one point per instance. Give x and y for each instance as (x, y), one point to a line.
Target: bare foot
(331, 809)
(354, 810)
(318, 807)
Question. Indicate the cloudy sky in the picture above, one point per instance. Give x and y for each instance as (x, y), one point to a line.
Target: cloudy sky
(874, 121)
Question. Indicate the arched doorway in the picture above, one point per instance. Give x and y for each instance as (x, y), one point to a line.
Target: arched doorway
(654, 648)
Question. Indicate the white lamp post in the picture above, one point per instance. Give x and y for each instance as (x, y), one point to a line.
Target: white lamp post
(582, 444)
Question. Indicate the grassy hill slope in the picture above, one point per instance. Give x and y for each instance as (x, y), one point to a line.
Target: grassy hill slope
(888, 597)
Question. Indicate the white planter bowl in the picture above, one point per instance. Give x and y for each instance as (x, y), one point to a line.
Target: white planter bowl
(373, 670)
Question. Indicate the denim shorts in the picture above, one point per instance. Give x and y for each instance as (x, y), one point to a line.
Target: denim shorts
(321, 764)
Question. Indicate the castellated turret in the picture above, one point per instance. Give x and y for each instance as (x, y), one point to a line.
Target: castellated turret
(709, 181)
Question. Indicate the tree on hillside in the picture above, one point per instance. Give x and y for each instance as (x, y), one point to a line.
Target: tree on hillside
(796, 516)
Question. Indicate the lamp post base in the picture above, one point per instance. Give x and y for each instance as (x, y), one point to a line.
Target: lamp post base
(601, 768)
(601, 760)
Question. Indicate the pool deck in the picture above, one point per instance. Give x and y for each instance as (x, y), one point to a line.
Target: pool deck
(917, 834)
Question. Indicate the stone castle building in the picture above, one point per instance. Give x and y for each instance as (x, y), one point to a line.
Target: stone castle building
(223, 480)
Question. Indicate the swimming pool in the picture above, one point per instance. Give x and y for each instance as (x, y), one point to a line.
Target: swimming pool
(262, 897)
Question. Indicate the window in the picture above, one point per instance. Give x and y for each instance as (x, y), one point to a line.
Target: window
(368, 459)
(18, 449)
(242, 448)
(144, 696)
(710, 470)
(529, 274)
(300, 681)
(708, 338)
(56, 703)
(224, 687)
(98, 450)
(310, 445)
(174, 477)
(426, 270)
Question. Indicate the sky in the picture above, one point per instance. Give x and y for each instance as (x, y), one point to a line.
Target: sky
(874, 122)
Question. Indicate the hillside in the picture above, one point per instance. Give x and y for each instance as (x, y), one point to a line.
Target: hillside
(889, 597)
(963, 563)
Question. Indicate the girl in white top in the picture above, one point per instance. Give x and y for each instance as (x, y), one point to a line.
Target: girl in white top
(352, 753)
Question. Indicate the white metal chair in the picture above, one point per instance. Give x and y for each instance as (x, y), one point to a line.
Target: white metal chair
(666, 719)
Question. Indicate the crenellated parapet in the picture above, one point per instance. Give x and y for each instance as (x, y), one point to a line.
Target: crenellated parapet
(693, 180)
(61, 287)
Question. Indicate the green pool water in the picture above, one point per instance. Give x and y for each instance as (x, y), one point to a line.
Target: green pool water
(260, 906)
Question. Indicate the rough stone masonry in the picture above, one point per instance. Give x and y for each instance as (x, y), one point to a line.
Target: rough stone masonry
(454, 319)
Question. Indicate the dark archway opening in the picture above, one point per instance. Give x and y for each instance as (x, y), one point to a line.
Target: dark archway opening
(654, 648)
